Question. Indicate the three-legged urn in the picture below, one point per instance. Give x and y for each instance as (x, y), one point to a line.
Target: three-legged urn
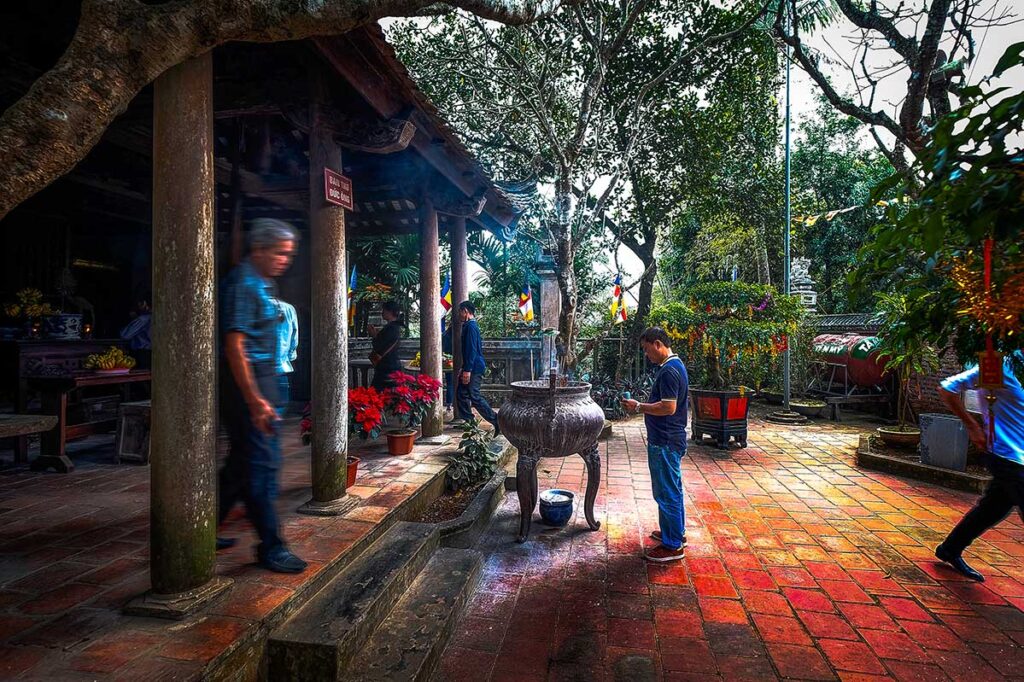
(552, 419)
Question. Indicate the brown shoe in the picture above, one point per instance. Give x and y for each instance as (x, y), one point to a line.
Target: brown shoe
(656, 535)
(662, 554)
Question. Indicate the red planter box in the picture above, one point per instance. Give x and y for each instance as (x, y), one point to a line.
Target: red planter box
(720, 414)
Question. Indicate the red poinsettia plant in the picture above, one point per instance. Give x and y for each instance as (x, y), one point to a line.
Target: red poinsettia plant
(366, 411)
(410, 397)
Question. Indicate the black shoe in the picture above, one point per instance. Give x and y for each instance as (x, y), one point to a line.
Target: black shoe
(284, 561)
(958, 564)
(225, 543)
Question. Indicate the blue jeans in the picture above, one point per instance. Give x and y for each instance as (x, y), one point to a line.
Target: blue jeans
(449, 389)
(667, 486)
(468, 396)
(251, 469)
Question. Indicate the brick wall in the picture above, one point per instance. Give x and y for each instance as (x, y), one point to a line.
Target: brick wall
(929, 400)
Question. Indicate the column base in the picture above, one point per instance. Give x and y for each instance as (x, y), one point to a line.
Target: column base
(783, 417)
(180, 605)
(330, 508)
(434, 440)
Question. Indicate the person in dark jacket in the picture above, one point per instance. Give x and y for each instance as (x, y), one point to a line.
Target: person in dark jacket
(385, 345)
(467, 395)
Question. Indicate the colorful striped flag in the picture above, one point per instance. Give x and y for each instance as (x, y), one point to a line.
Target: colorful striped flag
(618, 307)
(352, 298)
(526, 302)
(446, 294)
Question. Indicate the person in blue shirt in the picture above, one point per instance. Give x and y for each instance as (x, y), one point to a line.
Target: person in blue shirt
(287, 350)
(250, 396)
(1005, 459)
(665, 420)
(446, 348)
(467, 395)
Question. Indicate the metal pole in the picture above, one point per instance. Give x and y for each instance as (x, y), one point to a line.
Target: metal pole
(785, 266)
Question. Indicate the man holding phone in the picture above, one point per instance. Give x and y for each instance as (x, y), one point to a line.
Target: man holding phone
(665, 420)
(250, 396)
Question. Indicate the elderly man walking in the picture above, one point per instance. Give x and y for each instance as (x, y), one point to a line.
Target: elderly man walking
(250, 397)
(1005, 460)
(665, 420)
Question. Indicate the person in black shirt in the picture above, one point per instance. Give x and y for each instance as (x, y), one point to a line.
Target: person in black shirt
(385, 345)
(665, 419)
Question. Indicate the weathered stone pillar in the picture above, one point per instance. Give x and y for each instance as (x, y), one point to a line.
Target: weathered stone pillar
(460, 287)
(550, 294)
(430, 312)
(183, 516)
(329, 305)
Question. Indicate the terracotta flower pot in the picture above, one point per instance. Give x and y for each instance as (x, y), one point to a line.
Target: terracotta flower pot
(894, 437)
(353, 468)
(400, 442)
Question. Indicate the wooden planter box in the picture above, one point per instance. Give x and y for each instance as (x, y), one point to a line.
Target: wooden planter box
(720, 414)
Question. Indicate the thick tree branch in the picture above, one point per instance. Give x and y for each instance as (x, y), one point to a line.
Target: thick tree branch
(120, 46)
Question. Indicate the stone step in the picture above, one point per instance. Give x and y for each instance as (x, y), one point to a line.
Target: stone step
(319, 639)
(408, 644)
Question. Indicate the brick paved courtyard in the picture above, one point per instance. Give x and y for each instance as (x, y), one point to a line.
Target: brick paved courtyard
(799, 565)
(74, 549)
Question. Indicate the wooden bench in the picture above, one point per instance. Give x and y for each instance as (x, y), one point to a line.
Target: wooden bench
(21, 426)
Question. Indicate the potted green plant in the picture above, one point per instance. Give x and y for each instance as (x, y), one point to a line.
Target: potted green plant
(729, 324)
(407, 402)
(908, 356)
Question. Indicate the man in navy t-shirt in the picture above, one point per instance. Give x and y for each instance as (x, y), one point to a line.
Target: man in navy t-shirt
(665, 419)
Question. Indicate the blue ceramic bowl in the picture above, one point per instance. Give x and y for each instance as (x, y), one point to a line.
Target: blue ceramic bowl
(556, 507)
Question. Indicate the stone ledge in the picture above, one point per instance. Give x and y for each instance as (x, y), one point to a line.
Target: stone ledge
(463, 532)
(958, 480)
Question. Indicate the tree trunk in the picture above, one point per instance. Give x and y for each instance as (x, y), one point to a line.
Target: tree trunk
(565, 255)
(638, 321)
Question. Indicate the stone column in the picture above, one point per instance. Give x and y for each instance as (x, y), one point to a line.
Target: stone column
(430, 313)
(183, 514)
(550, 294)
(329, 323)
(460, 287)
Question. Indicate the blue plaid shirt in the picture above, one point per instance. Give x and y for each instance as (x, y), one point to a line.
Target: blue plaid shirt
(248, 305)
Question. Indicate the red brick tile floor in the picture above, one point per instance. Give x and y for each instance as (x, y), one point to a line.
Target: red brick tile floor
(799, 565)
(74, 549)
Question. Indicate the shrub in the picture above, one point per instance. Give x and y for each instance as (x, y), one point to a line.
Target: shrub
(474, 461)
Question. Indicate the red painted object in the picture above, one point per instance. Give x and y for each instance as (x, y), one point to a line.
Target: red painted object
(351, 471)
(857, 353)
(400, 442)
(708, 408)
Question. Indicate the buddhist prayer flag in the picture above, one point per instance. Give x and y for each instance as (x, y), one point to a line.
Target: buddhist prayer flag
(446, 294)
(618, 307)
(352, 298)
(526, 302)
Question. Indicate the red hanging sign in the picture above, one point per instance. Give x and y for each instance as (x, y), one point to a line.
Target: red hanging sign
(338, 189)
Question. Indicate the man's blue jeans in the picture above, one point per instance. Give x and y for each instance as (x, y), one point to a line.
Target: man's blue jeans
(468, 396)
(251, 469)
(667, 486)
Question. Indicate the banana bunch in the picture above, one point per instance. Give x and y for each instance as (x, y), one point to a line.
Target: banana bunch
(114, 358)
(415, 361)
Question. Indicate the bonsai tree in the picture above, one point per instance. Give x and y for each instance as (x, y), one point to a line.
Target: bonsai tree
(408, 400)
(905, 353)
(730, 323)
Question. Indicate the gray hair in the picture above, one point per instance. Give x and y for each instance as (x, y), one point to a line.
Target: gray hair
(267, 232)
